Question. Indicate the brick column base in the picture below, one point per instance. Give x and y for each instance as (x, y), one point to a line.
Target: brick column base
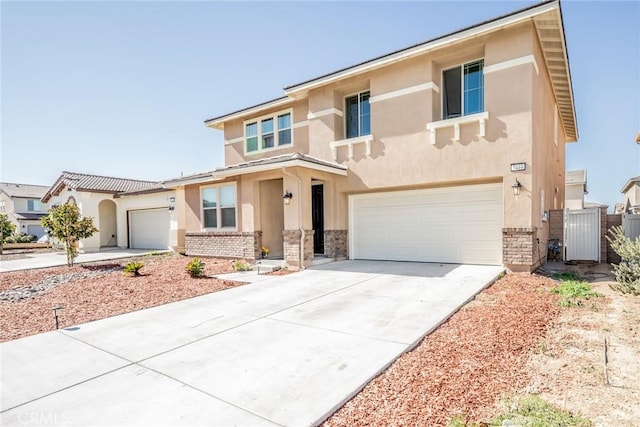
(291, 244)
(519, 249)
(336, 244)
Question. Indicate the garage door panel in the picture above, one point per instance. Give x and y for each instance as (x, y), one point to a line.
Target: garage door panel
(454, 224)
(149, 229)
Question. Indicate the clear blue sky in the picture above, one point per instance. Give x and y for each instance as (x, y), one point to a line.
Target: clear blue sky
(122, 88)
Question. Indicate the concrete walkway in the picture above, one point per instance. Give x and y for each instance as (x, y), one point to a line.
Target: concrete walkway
(285, 351)
(55, 259)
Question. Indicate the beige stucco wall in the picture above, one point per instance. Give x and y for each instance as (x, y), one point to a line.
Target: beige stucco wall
(272, 216)
(234, 129)
(522, 127)
(548, 186)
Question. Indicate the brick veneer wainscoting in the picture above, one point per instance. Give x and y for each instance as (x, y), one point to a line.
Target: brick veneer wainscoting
(519, 248)
(336, 244)
(224, 244)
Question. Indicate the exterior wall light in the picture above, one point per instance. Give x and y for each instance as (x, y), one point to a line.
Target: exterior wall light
(287, 198)
(172, 203)
(516, 187)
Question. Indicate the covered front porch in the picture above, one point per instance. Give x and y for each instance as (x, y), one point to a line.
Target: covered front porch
(292, 205)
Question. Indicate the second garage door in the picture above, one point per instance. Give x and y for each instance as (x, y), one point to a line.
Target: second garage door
(149, 229)
(452, 225)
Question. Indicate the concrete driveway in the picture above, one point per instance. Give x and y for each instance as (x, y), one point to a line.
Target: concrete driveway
(58, 258)
(288, 350)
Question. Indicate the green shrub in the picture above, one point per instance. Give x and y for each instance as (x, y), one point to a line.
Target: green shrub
(532, 411)
(572, 292)
(195, 268)
(133, 268)
(240, 265)
(21, 238)
(628, 271)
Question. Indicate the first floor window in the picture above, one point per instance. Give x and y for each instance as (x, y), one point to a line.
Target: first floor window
(269, 132)
(33, 205)
(463, 90)
(358, 115)
(219, 206)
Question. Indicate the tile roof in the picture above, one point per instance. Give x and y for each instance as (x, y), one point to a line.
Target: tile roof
(23, 190)
(96, 183)
(252, 166)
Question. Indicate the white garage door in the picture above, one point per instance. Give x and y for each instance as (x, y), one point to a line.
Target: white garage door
(451, 225)
(149, 229)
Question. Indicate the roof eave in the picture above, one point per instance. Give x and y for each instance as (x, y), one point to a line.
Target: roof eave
(453, 38)
(218, 122)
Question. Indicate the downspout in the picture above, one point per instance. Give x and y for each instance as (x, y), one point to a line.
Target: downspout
(284, 171)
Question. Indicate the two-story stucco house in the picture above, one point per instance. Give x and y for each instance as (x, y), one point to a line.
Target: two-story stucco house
(21, 203)
(448, 151)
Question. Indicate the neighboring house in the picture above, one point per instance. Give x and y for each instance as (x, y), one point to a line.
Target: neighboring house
(631, 192)
(448, 151)
(575, 189)
(21, 203)
(128, 213)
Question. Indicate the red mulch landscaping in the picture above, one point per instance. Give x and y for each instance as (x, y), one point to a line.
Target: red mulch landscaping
(163, 280)
(465, 365)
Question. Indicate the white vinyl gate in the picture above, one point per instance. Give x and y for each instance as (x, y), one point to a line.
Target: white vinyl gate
(582, 234)
(631, 225)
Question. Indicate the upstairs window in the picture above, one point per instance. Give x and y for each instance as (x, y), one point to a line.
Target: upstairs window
(219, 207)
(33, 205)
(463, 92)
(268, 133)
(358, 115)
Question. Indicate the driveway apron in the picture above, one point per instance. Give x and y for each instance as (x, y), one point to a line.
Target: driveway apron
(288, 350)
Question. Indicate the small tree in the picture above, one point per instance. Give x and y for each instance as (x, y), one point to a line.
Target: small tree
(7, 228)
(65, 224)
(628, 271)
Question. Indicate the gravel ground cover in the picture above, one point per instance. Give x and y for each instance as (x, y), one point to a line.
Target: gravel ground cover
(465, 366)
(97, 290)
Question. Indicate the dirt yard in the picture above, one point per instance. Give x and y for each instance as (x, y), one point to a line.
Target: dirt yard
(512, 339)
(569, 366)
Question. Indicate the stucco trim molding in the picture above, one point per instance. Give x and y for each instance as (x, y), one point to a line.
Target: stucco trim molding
(528, 59)
(322, 113)
(301, 124)
(365, 139)
(233, 140)
(405, 91)
(481, 118)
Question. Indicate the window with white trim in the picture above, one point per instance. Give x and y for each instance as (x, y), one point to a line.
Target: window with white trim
(357, 115)
(33, 205)
(463, 90)
(268, 133)
(219, 207)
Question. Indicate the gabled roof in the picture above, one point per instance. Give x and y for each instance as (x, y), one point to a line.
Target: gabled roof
(95, 183)
(253, 166)
(632, 181)
(23, 190)
(547, 18)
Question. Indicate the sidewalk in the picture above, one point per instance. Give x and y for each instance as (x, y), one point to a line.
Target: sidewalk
(55, 259)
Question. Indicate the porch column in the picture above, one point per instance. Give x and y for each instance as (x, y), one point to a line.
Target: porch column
(298, 233)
